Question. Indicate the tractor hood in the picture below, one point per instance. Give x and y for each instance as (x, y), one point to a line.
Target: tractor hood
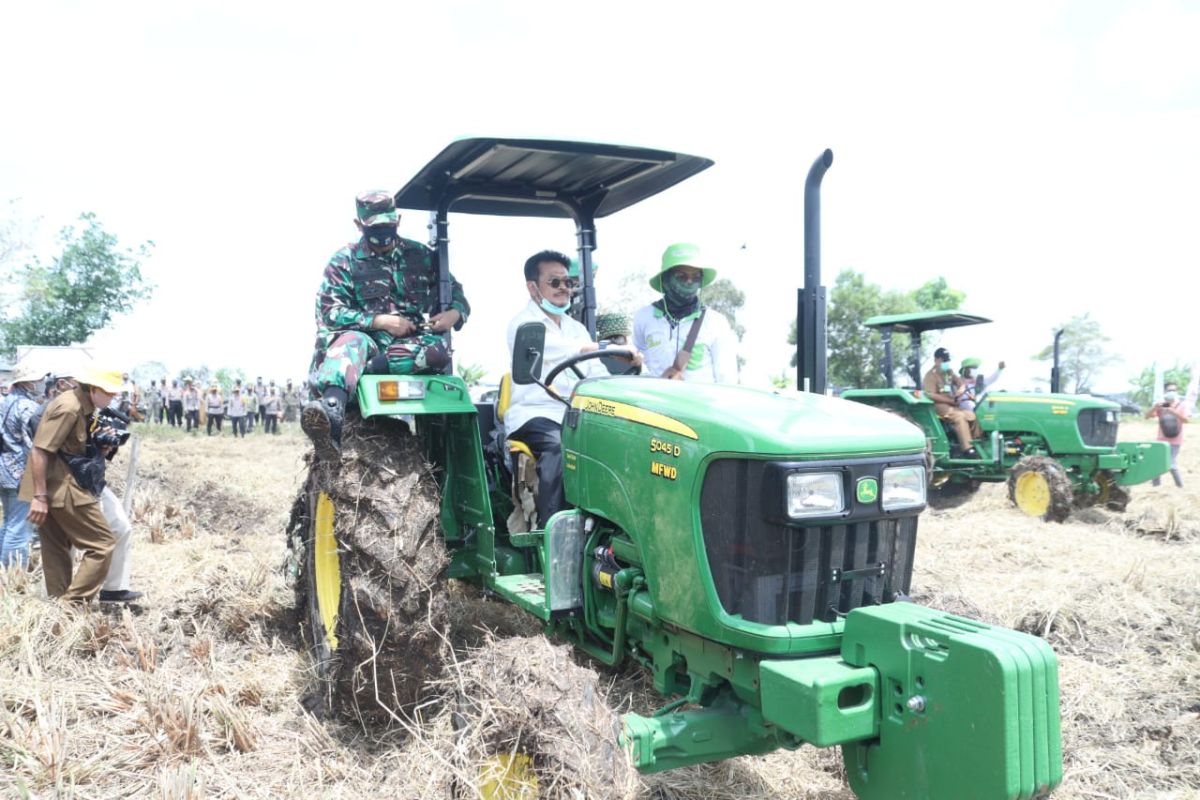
(744, 420)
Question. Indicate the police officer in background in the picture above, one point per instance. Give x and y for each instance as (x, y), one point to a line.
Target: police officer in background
(62, 485)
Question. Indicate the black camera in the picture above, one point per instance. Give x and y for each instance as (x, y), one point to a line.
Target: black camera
(119, 424)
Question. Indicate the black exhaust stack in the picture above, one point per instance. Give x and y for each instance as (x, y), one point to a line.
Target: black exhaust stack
(810, 310)
(1055, 375)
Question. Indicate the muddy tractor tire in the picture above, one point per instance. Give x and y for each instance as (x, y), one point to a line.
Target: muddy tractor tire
(1039, 487)
(531, 723)
(1111, 497)
(369, 558)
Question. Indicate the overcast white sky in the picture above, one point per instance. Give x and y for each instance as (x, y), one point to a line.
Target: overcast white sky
(1042, 156)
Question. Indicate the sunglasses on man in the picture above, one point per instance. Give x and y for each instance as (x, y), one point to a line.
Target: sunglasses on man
(570, 283)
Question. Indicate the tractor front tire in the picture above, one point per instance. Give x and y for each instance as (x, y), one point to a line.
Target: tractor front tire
(369, 555)
(1040, 487)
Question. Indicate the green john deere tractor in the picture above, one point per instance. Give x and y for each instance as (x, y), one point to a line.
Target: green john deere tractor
(751, 550)
(1056, 451)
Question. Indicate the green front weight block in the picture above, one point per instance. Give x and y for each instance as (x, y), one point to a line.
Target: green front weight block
(967, 711)
(823, 701)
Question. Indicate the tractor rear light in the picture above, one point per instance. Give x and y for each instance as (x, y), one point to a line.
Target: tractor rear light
(902, 487)
(400, 390)
(814, 494)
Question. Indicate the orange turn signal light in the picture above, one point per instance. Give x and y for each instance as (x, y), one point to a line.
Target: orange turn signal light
(388, 390)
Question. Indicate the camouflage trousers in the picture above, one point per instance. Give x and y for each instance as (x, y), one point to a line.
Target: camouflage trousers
(352, 353)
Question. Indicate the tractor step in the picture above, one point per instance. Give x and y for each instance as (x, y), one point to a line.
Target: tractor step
(527, 591)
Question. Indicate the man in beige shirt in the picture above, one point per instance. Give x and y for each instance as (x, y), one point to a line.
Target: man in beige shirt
(67, 513)
(938, 387)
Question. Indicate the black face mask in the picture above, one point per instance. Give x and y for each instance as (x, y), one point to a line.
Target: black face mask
(381, 236)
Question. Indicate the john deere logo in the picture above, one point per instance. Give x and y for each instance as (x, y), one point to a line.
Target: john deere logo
(868, 490)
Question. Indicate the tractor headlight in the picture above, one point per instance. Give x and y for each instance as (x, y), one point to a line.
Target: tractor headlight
(814, 494)
(903, 487)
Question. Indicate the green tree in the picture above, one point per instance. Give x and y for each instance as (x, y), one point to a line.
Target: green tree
(79, 292)
(1142, 385)
(1082, 353)
(856, 351)
(225, 377)
(784, 380)
(472, 374)
(201, 375)
(721, 295)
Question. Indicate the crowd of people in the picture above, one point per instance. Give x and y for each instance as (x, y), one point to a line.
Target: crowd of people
(185, 404)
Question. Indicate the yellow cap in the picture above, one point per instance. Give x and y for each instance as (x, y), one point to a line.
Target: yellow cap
(108, 380)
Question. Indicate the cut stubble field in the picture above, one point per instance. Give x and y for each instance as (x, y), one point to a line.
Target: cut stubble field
(204, 691)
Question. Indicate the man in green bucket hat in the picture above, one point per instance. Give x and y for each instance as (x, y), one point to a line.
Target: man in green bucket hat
(679, 339)
(973, 385)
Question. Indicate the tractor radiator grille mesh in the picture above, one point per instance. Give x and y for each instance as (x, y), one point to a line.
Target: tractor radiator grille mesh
(774, 574)
(1098, 427)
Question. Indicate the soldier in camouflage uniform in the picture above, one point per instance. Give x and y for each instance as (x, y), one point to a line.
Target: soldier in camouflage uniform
(370, 317)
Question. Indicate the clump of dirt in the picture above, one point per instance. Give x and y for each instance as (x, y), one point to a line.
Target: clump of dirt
(1166, 522)
(393, 614)
(523, 695)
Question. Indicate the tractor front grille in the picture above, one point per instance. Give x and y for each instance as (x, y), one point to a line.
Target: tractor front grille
(774, 574)
(1098, 427)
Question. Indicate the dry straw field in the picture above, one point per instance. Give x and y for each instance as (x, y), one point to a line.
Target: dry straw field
(203, 693)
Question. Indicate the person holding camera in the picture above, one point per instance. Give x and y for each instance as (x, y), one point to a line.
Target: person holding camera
(62, 485)
(1171, 419)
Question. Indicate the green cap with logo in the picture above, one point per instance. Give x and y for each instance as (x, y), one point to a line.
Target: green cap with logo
(967, 363)
(682, 254)
(376, 208)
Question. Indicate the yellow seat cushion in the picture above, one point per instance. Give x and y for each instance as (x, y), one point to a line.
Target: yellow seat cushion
(505, 398)
(515, 446)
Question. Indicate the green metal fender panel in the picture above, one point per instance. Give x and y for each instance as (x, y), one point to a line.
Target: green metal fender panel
(1143, 461)
(967, 711)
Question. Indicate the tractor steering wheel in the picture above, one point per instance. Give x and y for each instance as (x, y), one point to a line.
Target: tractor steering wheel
(570, 362)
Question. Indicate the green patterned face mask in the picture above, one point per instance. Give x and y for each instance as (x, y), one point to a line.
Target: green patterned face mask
(680, 289)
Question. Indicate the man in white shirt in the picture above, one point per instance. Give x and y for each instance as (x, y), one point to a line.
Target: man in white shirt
(662, 329)
(533, 416)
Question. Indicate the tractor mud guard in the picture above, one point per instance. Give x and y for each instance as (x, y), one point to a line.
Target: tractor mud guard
(966, 710)
(1143, 461)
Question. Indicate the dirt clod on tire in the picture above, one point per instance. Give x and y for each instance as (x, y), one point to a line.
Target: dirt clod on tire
(393, 611)
(526, 695)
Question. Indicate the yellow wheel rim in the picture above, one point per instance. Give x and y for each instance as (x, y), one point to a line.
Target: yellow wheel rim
(508, 776)
(327, 568)
(1033, 494)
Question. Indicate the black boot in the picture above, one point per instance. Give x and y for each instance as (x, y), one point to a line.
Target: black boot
(322, 421)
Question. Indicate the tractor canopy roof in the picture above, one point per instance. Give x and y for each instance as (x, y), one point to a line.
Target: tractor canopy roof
(920, 321)
(544, 178)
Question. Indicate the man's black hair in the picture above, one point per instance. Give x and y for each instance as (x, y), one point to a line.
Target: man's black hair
(531, 263)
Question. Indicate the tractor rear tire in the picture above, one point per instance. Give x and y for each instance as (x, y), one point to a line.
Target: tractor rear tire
(1040, 487)
(951, 494)
(369, 555)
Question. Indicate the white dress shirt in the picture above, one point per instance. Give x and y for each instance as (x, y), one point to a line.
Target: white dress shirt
(562, 341)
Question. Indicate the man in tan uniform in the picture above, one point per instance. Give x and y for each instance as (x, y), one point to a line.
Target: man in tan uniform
(66, 513)
(938, 387)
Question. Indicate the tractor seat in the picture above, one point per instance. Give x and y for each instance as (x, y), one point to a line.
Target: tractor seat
(503, 401)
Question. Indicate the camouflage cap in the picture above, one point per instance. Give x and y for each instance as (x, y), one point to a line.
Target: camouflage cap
(376, 208)
(609, 325)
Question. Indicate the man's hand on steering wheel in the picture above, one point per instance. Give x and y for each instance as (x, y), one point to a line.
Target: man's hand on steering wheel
(590, 352)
